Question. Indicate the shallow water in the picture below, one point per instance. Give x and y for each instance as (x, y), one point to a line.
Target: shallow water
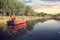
(40, 30)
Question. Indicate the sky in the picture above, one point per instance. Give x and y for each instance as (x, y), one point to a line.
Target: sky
(53, 6)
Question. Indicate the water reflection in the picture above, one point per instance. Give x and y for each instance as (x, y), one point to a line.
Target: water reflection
(47, 30)
(35, 30)
(56, 19)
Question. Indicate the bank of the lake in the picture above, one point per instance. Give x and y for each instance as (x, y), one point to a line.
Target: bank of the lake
(29, 18)
(3, 20)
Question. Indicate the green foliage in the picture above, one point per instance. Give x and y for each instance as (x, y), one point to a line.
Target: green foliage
(19, 8)
(15, 6)
(42, 14)
(57, 14)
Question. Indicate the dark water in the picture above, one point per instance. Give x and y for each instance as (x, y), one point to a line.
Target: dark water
(39, 30)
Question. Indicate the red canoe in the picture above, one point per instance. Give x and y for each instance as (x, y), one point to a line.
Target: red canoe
(17, 24)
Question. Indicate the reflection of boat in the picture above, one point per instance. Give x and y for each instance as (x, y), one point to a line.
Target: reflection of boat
(16, 25)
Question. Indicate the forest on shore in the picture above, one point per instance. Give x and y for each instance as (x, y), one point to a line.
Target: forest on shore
(8, 6)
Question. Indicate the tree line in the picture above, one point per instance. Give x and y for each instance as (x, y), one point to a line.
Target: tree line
(8, 6)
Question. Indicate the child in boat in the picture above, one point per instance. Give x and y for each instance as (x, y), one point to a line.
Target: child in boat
(12, 16)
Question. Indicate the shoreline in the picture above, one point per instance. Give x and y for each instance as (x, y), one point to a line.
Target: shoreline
(29, 18)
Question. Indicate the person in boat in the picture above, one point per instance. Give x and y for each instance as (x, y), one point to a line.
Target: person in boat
(23, 16)
(12, 16)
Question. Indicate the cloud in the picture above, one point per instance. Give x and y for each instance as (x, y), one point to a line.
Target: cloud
(42, 2)
(49, 0)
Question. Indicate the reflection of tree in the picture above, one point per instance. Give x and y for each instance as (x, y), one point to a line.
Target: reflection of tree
(29, 26)
(43, 20)
(57, 19)
(33, 22)
(21, 32)
(5, 36)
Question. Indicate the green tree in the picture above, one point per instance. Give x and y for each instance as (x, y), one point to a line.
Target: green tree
(7, 6)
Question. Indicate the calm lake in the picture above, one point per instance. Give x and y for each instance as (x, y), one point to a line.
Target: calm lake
(39, 30)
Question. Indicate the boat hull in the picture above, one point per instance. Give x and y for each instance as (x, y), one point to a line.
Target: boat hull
(16, 25)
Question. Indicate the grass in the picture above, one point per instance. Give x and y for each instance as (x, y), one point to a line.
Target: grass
(3, 20)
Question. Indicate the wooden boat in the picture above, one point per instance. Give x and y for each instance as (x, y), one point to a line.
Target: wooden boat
(16, 25)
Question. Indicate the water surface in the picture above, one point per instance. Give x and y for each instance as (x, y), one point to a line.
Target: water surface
(48, 30)
(39, 30)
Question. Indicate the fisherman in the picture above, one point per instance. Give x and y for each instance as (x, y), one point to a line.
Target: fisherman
(12, 16)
